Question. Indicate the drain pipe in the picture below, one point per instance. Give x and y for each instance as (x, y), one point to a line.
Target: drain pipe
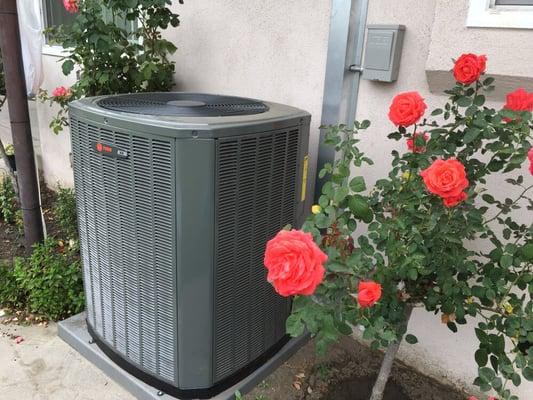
(20, 123)
(341, 84)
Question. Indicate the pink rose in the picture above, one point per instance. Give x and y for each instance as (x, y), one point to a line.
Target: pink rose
(368, 293)
(519, 100)
(71, 6)
(61, 91)
(469, 67)
(452, 201)
(407, 108)
(447, 179)
(411, 142)
(294, 263)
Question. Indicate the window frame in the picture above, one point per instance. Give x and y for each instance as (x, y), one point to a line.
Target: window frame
(486, 14)
(48, 49)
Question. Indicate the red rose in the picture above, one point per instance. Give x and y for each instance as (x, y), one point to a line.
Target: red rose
(469, 67)
(406, 108)
(71, 6)
(61, 91)
(411, 142)
(452, 201)
(294, 263)
(519, 100)
(368, 293)
(530, 157)
(447, 179)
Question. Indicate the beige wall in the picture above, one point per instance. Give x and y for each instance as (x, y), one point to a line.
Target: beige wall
(435, 32)
(270, 50)
(509, 51)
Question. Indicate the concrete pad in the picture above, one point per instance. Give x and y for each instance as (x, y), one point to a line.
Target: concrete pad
(43, 367)
(74, 332)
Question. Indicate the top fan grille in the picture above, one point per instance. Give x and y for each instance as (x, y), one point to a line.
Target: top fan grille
(183, 104)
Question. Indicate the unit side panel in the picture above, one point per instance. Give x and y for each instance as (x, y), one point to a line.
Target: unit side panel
(126, 215)
(256, 196)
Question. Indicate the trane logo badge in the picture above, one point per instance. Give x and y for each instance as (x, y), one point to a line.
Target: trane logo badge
(110, 151)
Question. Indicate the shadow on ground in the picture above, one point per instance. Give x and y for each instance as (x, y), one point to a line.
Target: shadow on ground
(346, 372)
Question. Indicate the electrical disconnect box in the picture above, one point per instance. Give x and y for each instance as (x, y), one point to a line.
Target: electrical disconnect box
(383, 52)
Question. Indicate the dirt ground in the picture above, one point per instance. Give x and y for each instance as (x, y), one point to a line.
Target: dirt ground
(12, 239)
(347, 372)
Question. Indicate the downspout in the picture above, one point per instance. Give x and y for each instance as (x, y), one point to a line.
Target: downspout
(341, 83)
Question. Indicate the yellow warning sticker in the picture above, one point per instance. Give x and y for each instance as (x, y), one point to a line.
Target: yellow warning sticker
(304, 177)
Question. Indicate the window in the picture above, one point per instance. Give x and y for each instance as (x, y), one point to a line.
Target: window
(54, 14)
(513, 2)
(500, 14)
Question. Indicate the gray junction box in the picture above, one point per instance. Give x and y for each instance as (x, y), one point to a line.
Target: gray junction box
(383, 52)
(177, 195)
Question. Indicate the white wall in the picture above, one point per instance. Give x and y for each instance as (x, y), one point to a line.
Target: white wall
(435, 32)
(55, 149)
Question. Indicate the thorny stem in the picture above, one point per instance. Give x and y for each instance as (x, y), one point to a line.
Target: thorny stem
(381, 381)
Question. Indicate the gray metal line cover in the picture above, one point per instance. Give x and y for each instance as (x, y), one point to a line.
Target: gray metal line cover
(172, 233)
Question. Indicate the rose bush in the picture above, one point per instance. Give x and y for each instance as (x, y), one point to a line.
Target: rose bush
(115, 46)
(419, 223)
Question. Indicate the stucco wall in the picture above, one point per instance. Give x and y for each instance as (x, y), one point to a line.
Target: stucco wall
(510, 51)
(435, 32)
(271, 50)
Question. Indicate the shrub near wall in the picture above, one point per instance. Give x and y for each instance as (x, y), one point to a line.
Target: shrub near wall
(418, 220)
(115, 46)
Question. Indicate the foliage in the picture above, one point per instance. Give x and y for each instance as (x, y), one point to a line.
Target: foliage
(422, 252)
(8, 200)
(10, 295)
(65, 212)
(48, 282)
(116, 46)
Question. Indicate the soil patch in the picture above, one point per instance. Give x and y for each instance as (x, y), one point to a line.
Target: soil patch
(12, 235)
(347, 371)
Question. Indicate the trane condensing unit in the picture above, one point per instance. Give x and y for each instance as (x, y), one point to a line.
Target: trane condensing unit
(177, 195)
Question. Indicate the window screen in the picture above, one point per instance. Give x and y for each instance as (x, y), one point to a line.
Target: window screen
(55, 14)
(514, 2)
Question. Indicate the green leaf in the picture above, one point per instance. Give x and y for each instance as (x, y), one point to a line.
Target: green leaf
(340, 194)
(527, 251)
(411, 339)
(67, 67)
(464, 101)
(338, 267)
(451, 326)
(294, 325)
(359, 207)
(488, 198)
(479, 100)
(470, 135)
(481, 357)
(487, 374)
(527, 372)
(365, 124)
(357, 184)
(506, 261)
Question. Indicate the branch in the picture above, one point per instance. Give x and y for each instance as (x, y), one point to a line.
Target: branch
(513, 203)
